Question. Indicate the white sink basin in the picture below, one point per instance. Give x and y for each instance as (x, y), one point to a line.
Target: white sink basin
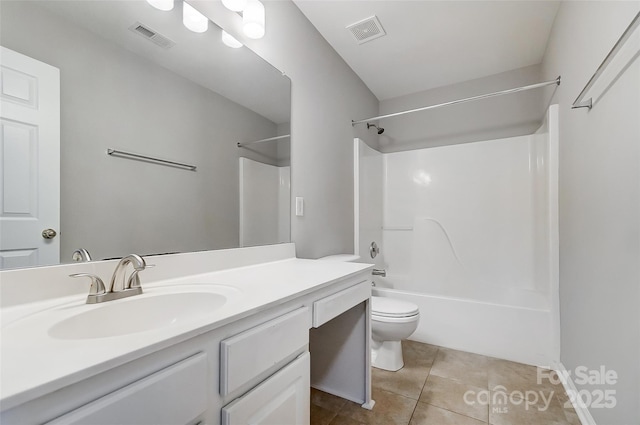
(137, 314)
(165, 307)
(134, 315)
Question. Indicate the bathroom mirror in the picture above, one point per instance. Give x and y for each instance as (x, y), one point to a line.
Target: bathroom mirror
(135, 79)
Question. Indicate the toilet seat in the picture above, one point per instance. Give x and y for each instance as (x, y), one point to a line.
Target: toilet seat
(390, 308)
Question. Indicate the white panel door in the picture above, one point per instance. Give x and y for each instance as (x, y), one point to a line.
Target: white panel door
(283, 399)
(29, 161)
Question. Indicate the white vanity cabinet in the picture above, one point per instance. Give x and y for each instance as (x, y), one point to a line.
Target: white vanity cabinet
(157, 399)
(255, 368)
(281, 399)
(267, 350)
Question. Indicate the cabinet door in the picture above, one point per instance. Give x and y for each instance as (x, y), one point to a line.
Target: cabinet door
(283, 399)
(175, 395)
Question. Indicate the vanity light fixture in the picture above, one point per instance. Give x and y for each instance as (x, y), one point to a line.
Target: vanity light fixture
(230, 40)
(235, 5)
(165, 5)
(192, 19)
(253, 19)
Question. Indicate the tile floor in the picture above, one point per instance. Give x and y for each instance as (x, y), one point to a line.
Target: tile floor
(431, 389)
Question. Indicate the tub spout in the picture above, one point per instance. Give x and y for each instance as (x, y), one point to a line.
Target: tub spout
(379, 272)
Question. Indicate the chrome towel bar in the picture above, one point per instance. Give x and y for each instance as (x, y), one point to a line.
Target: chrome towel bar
(580, 101)
(243, 144)
(129, 155)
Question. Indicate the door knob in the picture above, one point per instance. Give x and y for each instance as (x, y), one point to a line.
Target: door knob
(49, 233)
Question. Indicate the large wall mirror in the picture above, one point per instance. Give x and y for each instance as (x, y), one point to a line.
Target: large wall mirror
(177, 95)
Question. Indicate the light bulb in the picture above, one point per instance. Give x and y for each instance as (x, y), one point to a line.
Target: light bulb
(235, 5)
(165, 5)
(194, 20)
(230, 40)
(253, 20)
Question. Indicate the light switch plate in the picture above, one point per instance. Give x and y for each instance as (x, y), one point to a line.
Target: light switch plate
(299, 206)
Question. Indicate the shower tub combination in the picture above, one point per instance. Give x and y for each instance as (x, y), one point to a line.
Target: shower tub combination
(469, 233)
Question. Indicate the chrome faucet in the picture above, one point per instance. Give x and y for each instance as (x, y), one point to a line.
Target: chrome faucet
(81, 255)
(119, 287)
(118, 283)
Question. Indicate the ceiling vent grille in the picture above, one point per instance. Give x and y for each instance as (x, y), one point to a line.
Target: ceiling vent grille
(367, 29)
(151, 35)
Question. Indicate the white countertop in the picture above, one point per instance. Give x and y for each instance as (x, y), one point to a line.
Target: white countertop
(34, 364)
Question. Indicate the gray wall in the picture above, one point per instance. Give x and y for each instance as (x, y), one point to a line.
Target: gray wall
(326, 96)
(599, 203)
(487, 119)
(112, 98)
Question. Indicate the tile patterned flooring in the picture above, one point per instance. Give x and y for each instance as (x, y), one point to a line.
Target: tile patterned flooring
(430, 390)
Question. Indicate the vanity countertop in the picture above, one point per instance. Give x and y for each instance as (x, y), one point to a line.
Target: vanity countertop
(34, 364)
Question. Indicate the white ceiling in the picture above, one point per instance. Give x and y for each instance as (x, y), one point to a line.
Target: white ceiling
(434, 43)
(237, 74)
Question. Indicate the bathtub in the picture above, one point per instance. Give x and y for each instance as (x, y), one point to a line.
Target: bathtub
(518, 331)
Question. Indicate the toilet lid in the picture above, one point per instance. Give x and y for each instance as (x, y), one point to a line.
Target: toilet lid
(391, 307)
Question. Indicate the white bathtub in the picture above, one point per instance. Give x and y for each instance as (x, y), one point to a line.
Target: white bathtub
(523, 334)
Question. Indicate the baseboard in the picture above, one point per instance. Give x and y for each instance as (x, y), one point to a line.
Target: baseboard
(570, 387)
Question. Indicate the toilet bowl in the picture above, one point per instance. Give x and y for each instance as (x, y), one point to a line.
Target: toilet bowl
(392, 321)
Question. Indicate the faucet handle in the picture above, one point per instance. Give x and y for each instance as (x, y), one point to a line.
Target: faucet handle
(134, 280)
(97, 285)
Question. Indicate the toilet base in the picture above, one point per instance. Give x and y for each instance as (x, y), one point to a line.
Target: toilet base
(387, 355)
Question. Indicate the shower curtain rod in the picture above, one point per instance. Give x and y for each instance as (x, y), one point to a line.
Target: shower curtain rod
(241, 145)
(468, 99)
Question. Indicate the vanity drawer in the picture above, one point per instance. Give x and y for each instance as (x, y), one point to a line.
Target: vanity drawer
(282, 399)
(253, 352)
(174, 395)
(334, 305)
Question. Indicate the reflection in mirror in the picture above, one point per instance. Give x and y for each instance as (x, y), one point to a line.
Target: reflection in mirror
(134, 79)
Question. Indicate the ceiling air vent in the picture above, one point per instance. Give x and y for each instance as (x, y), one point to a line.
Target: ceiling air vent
(367, 29)
(151, 35)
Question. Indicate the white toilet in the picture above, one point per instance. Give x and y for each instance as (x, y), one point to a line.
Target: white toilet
(392, 320)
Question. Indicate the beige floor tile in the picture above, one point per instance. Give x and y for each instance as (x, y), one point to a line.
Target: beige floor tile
(426, 414)
(390, 409)
(449, 394)
(418, 353)
(569, 411)
(327, 401)
(461, 366)
(321, 416)
(521, 377)
(343, 420)
(430, 390)
(407, 381)
(572, 417)
(516, 411)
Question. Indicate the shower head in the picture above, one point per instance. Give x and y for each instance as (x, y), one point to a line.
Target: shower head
(380, 129)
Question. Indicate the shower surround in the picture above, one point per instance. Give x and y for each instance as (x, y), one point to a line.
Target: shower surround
(469, 233)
